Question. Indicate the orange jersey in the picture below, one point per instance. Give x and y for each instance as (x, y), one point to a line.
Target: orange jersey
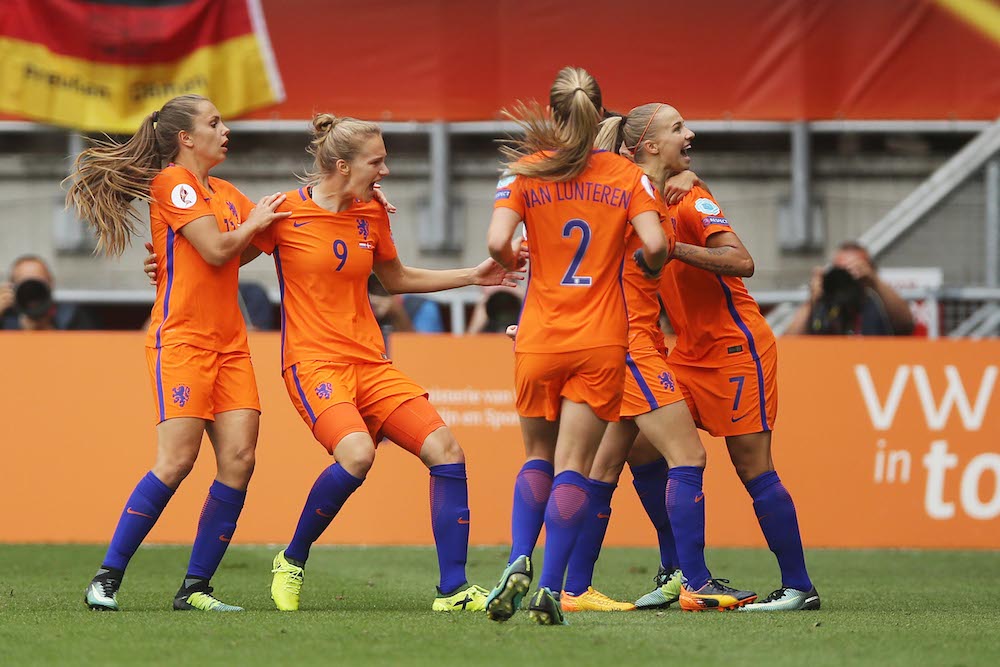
(196, 303)
(642, 299)
(576, 231)
(323, 261)
(716, 320)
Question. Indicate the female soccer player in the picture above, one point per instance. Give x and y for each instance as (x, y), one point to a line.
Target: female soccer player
(333, 355)
(570, 357)
(725, 358)
(196, 348)
(653, 405)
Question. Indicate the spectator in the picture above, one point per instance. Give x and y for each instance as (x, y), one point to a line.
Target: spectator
(498, 308)
(26, 302)
(388, 308)
(256, 307)
(424, 313)
(848, 298)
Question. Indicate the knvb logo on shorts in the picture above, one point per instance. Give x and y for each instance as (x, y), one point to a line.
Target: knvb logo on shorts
(181, 394)
(325, 390)
(667, 380)
(363, 228)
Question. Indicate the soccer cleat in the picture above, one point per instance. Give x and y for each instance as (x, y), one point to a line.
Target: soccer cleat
(102, 593)
(591, 600)
(199, 597)
(469, 598)
(286, 584)
(667, 591)
(714, 595)
(787, 599)
(505, 598)
(545, 609)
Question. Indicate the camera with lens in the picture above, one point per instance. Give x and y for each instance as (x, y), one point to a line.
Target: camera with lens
(33, 298)
(838, 310)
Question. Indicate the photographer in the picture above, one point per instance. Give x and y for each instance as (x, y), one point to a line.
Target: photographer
(848, 298)
(26, 302)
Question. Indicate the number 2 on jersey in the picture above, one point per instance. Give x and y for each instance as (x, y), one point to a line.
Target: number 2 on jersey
(571, 279)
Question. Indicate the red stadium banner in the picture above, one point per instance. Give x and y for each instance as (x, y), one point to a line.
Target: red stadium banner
(103, 66)
(882, 443)
(457, 60)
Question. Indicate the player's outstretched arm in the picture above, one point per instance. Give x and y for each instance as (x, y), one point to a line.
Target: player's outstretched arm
(217, 247)
(724, 254)
(400, 279)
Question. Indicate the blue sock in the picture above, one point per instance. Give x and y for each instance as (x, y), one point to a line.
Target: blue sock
(650, 482)
(580, 571)
(686, 507)
(141, 512)
(215, 529)
(531, 493)
(450, 523)
(564, 515)
(776, 515)
(329, 493)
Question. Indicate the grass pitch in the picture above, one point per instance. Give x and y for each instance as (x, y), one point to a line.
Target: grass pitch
(366, 606)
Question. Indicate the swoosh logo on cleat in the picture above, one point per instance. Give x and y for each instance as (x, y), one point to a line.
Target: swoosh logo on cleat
(324, 514)
(132, 511)
(814, 598)
(464, 522)
(700, 497)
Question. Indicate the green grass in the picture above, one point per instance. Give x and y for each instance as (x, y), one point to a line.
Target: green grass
(372, 606)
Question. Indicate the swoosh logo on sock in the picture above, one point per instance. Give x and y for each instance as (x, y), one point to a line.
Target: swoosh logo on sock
(223, 538)
(700, 497)
(603, 516)
(462, 521)
(324, 514)
(129, 510)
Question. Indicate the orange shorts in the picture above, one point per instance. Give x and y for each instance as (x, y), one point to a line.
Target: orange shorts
(191, 382)
(595, 377)
(650, 383)
(737, 399)
(375, 390)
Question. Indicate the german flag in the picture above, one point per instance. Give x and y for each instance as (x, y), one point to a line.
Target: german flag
(102, 65)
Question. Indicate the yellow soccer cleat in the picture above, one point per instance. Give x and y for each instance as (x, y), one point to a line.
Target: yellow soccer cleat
(470, 598)
(592, 600)
(286, 584)
(714, 595)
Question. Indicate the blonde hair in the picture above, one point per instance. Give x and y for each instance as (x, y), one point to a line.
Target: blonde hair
(567, 137)
(336, 139)
(624, 134)
(108, 176)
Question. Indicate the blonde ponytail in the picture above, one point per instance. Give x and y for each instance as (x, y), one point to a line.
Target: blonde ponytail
(567, 138)
(108, 176)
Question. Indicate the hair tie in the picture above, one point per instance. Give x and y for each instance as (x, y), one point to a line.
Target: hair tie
(156, 116)
(648, 123)
(578, 88)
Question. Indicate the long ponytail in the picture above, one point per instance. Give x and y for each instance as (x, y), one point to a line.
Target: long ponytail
(566, 138)
(109, 176)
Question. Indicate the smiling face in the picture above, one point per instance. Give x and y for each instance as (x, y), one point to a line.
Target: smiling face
(366, 168)
(668, 140)
(208, 137)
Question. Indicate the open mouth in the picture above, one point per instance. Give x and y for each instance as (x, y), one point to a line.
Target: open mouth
(684, 151)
